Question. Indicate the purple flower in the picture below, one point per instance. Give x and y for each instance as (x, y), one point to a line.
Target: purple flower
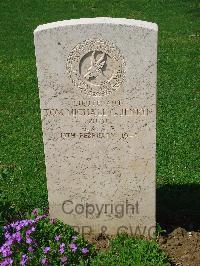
(29, 240)
(30, 222)
(7, 235)
(6, 227)
(44, 261)
(32, 229)
(19, 227)
(57, 237)
(46, 250)
(6, 262)
(73, 247)
(74, 238)
(30, 249)
(9, 261)
(17, 236)
(63, 259)
(40, 217)
(24, 259)
(5, 250)
(62, 248)
(84, 250)
(9, 242)
(22, 224)
(35, 211)
(14, 224)
(28, 232)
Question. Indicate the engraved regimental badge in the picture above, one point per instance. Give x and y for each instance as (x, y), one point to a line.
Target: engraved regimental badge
(96, 67)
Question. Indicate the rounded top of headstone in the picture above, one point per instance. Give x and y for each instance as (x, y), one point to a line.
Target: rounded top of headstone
(98, 20)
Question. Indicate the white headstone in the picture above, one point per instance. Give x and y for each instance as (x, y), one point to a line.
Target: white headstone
(97, 87)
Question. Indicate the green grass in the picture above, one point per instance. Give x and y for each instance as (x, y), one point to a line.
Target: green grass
(131, 251)
(23, 183)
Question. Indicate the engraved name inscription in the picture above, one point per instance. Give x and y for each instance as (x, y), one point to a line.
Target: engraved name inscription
(98, 112)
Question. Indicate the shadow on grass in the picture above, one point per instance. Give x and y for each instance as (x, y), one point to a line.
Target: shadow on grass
(178, 206)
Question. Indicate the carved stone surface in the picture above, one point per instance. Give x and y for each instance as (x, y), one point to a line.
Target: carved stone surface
(96, 67)
(97, 88)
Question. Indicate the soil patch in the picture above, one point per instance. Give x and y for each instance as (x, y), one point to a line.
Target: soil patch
(182, 247)
(101, 241)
